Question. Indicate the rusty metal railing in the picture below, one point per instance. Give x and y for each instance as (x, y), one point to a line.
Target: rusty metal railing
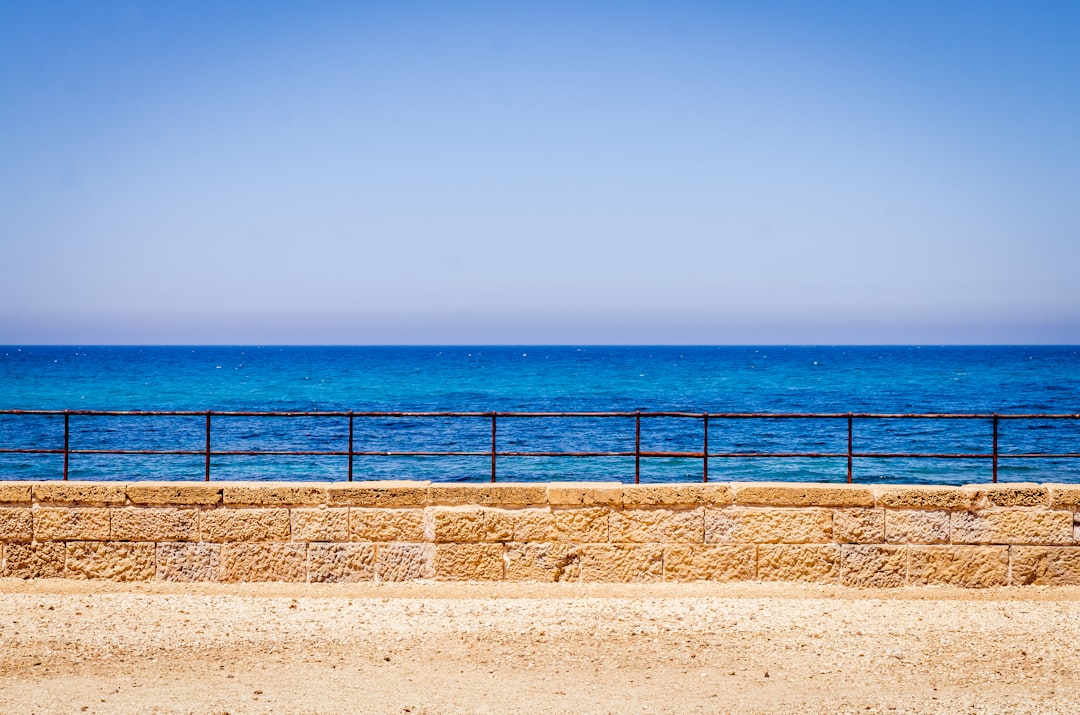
(850, 454)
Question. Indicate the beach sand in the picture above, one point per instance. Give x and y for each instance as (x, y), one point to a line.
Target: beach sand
(70, 647)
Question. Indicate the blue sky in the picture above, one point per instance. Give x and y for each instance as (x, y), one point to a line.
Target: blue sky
(585, 172)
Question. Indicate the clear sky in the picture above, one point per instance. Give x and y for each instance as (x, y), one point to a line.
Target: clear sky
(539, 172)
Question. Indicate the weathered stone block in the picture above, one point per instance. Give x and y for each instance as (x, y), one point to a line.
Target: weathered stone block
(385, 493)
(110, 560)
(266, 495)
(581, 525)
(859, 526)
(657, 525)
(69, 524)
(171, 494)
(866, 566)
(79, 493)
(187, 562)
(469, 562)
(767, 526)
(634, 495)
(1045, 565)
(968, 566)
(1064, 496)
(16, 524)
(622, 563)
(320, 524)
(341, 563)
(245, 525)
(916, 526)
(1012, 527)
(542, 562)
(386, 524)
(404, 562)
(699, 562)
(470, 524)
(585, 494)
(817, 563)
(801, 494)
(510, 493)
(923, 497)
(986, 496)
(42, 560)
(534, 525)
(155, 524)
(263, 562)
(15, 492)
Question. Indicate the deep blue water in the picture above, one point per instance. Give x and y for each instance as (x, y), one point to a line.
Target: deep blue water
(1006, 379)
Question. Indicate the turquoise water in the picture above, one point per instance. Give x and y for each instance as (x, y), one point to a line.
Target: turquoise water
(1005, 379)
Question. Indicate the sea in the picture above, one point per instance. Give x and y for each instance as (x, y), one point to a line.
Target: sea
(506, 379)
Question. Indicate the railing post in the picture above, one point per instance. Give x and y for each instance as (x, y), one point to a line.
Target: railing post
(493, 446)
(850, 435)
(995, 446)
(67, 438)
(208, 445)
(350, 443)
(637, 446)
(705, 450)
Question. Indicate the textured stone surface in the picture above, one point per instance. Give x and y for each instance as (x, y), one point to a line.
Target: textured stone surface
(794, 494)
(279, 494)
(469, 524)
(489, 494)
(43, 560)
(676, 494)
(699, 562)
(79, 493)
(386, 493)
(188, 562)
(1045, 565)
(968, 566)
(16, 524)
(534, 525)
(170, 494)
(585, 494)
(583, 525)
(1012, 527)
(372, 524)
(469, 562)
(1019, 494)
(404, 562)
(657, 525)
(873, 566)
(799, 562)
(15, 492)
(923, 497)
(263, 562)
(110, 560)
(542, 562)
(320, 524)
(245, 525)
(341, 563)
(766, 526)
(622, 563)
(859, 526)
(1064, 496)
(916, 526)
(64, 523)
(155, 524)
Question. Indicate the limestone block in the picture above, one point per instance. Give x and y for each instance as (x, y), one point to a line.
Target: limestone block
(267, 495)
(155, 524)
(320, 524)
(657, 525)
(15, 492)
(985, 496)
(1012, 527)
(589, 524)
(1064, 496)
(404, 562)
(242, 562)
(622, 563)
(802, 494)
(378, 524)
(16, 524)
(676, 494)
(1045, 565)
(385, 493)
(768, 526)
(41, 560)
(79, 493)
(469, 562)
(873, 566)
(187, 562)
(110, 560)
(245, 525)
(68, 524)
(968, 566)
(341, 563)
(172, 494)
(916, 526)
(923, 497)
(700, 562)
(585, 494)
(509, 493)
(533, 524)
(544, 562)
(462, 524)
(817, 563)
(859, 526)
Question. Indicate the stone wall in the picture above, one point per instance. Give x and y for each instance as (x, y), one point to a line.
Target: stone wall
(981, 535)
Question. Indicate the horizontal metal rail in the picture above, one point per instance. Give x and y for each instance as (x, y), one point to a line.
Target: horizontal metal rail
(705, 454)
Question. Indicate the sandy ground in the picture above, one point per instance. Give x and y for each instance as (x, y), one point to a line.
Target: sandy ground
(72, 647)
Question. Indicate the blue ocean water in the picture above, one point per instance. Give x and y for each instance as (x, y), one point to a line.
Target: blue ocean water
(1004, 379)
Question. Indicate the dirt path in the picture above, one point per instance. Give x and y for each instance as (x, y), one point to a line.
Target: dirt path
(70, 647)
